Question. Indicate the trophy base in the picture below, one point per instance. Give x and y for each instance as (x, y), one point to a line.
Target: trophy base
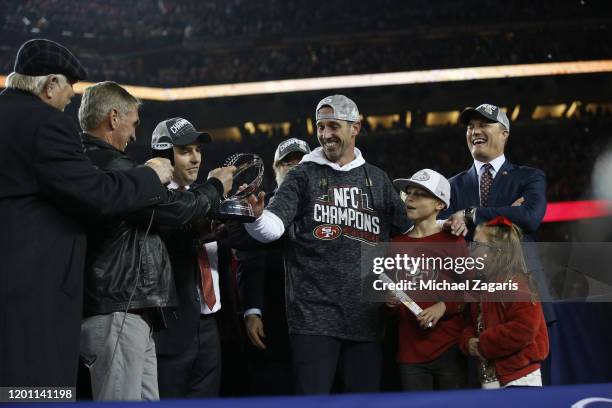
(234, 209)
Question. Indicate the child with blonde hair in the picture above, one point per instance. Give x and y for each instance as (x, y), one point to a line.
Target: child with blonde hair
(507, 331)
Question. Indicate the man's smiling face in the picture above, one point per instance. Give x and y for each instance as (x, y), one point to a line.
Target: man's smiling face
(485, 139)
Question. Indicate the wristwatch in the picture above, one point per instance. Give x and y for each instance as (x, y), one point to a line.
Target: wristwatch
(469, 214)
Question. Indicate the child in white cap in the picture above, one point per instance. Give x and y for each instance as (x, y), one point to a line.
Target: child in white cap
(428, 353)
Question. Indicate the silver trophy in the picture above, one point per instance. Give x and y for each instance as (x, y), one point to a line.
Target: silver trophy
(247, 179)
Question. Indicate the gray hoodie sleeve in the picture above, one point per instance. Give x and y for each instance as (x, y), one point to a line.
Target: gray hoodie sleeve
(289, 200)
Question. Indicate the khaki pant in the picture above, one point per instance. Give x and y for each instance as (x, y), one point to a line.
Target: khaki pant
(129, 374)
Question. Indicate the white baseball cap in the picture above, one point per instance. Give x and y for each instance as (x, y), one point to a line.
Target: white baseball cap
(429, 180)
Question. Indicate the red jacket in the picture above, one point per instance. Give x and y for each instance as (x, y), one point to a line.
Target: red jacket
(515, 338)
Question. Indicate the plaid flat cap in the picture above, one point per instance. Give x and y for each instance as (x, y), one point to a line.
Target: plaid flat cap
(44, 57)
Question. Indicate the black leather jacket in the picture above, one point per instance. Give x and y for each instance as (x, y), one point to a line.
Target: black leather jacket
(123, 260)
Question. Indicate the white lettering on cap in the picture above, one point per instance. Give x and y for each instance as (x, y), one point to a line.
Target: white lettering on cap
(179, 125)
(488, 108)
(162, 146)
(286, 143)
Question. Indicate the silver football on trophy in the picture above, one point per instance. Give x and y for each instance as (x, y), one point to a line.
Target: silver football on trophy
(247, 179)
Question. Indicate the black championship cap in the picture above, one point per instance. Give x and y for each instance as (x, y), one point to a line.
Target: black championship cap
(290, 146)
(176, 132)
(44, 57)
(487, 111)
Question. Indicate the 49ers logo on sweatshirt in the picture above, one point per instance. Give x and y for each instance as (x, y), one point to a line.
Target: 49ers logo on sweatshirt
(327, 232)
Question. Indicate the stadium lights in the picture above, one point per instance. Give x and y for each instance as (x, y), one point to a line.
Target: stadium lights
(596, 108)
(270, 128)
(515, 112)
(548, 111)
(384, 121)
(363, 81)
(309, 126)
(250, 127)
(572, 109)
(226, 134)
(442, 118)
(408, 119)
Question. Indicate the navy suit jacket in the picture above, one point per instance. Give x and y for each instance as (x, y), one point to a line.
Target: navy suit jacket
(510, 183)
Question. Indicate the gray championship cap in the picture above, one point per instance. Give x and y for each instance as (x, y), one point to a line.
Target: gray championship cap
(429, 180)
(176, 132)
(343, 109)
(290, 146)
(490, 112)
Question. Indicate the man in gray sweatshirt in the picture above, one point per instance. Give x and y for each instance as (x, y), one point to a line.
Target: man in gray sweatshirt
(331, 204)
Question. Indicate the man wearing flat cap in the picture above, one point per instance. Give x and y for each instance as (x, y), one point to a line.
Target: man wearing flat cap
(494, 186)
(48, 189)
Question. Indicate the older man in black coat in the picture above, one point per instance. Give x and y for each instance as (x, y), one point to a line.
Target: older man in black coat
(48, 188)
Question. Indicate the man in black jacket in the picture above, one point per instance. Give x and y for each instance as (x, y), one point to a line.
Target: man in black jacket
(48, 187)
(128, 273)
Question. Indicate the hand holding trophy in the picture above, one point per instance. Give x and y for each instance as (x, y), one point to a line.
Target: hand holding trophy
(225, 175)
(246, 180)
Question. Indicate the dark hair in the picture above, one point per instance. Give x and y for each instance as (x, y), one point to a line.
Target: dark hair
(164, 154)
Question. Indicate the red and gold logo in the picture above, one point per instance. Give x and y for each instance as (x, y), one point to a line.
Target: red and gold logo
(327, 232)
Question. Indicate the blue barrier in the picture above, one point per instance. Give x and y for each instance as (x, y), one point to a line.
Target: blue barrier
(560, 396)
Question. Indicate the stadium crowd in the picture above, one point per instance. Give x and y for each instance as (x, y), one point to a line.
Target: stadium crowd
(154, 19)
(238, 41)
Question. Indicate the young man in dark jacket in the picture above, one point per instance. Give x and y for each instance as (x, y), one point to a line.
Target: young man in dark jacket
(189, 351)
(262, 289)
(128, 277)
